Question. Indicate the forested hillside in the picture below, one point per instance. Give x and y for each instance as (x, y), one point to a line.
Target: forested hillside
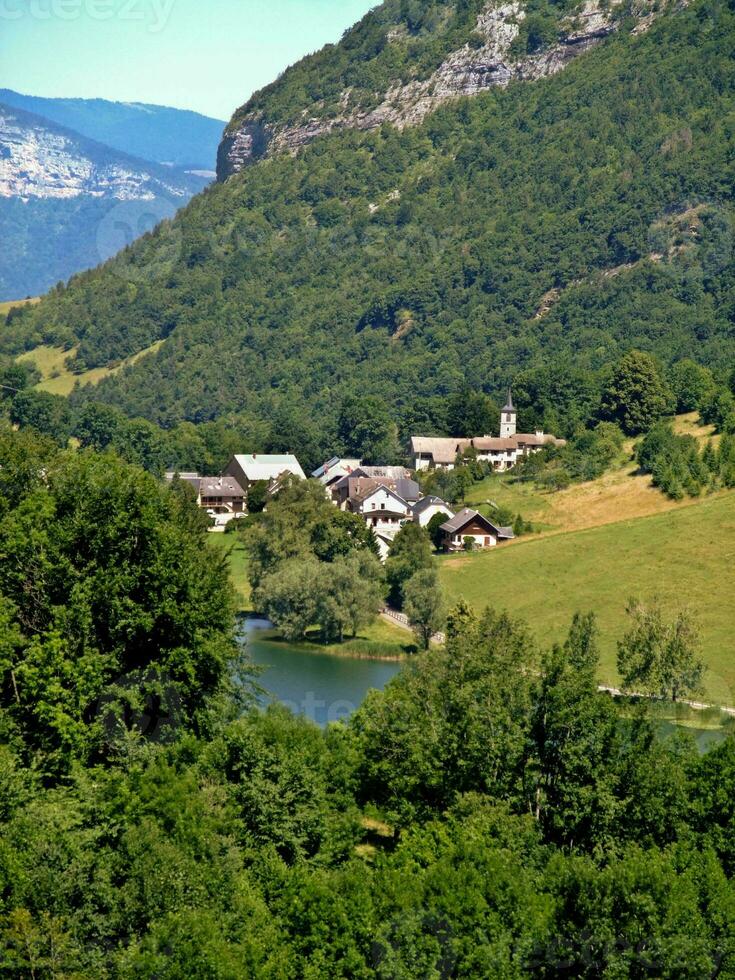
(538, 231)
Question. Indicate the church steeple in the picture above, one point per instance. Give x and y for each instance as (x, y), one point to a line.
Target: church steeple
(508, 418)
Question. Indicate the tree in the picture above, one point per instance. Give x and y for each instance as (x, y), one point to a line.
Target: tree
(423, 603)
(472, 413)
(433, 529)
(660, 658)
(289, 596)
(409, 553)
(636, 397)
(257, 496)
(351, 594)
(366, 429)
(46, 413)
(691, 384)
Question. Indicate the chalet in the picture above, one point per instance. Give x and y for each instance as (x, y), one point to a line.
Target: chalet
(471, 524)
(502, 453)
(219, 494)
(423, 511)
(259, 468)
(383, 510)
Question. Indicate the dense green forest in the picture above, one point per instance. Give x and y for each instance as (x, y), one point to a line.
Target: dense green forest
(476, 819)
(409, 266)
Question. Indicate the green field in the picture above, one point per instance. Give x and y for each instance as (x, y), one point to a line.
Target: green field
(232, 546)
(686, 557)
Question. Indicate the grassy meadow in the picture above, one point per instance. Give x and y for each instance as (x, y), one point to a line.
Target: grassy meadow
(7, 306)
(685, 556)
(59, 380)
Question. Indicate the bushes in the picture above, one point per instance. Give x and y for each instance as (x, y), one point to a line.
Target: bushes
(677, 465)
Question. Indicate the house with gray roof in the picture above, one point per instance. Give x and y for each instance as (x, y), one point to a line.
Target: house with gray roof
(424, 509)
(471, 524)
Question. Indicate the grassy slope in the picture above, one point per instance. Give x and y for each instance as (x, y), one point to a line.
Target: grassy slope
(6, 307)
(621, 494)
(56, 377)
(685, 556)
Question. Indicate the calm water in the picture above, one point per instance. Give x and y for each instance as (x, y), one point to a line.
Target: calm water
(320, 686)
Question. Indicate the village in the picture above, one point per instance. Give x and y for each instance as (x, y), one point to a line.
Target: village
(385, 497)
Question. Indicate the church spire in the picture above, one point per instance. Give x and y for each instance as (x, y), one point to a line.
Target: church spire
(508, 418)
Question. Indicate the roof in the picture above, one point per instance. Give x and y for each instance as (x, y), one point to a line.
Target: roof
(383, 472)
(509, 406)
(335, 467)
(442, 450)
(358, 485)
(490, 444)
(220, 486)
(260, 467)
(369, 492)
(538, 439)
(420, 506)
(466, 516)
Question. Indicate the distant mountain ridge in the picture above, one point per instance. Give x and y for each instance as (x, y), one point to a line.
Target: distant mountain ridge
(160, 134)
(68, 202)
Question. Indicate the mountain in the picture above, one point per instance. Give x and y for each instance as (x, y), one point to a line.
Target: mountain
(404, 60)
(177, 137)
(68, 203)
(533, 232)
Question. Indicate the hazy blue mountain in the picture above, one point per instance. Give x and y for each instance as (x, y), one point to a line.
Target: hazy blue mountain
(68, 203)
(173, 136)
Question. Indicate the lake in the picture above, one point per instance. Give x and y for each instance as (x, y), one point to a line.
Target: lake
(319, 686)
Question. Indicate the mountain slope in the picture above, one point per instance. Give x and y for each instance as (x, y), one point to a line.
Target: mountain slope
(406, 264)
(68, 203)
(174, 136)
(404, 60)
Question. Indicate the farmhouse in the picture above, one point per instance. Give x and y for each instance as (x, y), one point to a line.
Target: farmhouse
(471, 524)
(258, 468)
(502, 453)
(220, 494)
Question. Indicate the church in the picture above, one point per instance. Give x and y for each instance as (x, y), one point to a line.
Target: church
(502, 452)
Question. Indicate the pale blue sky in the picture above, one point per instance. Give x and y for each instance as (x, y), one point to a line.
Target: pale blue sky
(208, 55)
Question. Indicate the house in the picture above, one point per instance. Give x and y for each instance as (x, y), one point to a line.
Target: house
(383, 509)
(355, 485)
(436, 453)
(471, 524)
(423, 511)
(221, 494)
(259, 468)
(501, 452)
(334, 469)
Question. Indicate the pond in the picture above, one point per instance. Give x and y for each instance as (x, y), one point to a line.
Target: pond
(319, 686)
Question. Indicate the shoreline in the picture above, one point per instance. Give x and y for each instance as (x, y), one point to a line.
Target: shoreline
(272, 637)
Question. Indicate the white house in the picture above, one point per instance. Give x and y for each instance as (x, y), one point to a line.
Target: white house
(430, 453)
(423, 511)
(382, 509)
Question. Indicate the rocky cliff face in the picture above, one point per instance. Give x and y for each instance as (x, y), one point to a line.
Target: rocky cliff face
(471, 69)
(41, 160)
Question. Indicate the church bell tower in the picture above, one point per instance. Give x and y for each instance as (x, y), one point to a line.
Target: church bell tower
(508, 417)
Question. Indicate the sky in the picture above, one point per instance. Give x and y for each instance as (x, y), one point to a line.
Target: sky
(207, 55)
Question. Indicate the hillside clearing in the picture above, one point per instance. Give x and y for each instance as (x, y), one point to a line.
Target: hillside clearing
(685, 556)
(7, 306)
(619, 495)
(56, 377)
